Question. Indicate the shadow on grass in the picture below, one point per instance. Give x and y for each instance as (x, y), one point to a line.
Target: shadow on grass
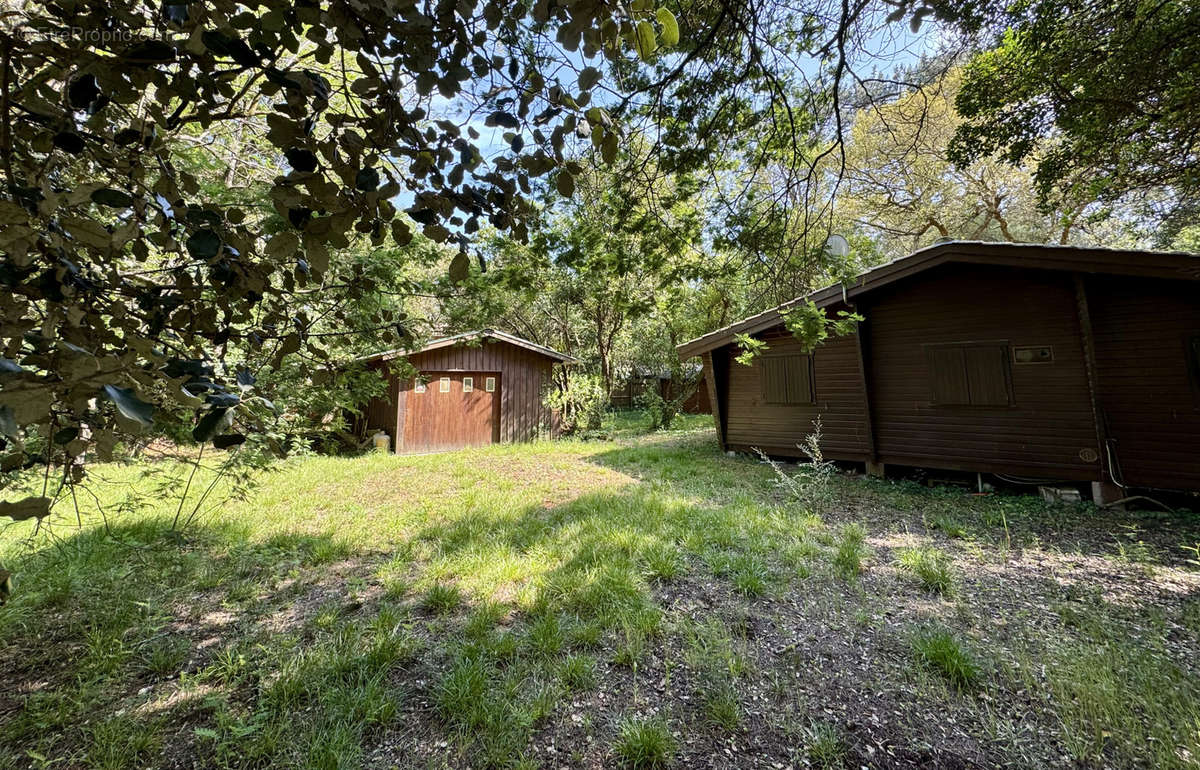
(300, 650)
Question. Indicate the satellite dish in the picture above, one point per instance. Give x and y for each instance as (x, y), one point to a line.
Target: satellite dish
(837, 246)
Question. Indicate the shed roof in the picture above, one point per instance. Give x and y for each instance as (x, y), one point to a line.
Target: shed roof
(483, 335)
(1037, 256)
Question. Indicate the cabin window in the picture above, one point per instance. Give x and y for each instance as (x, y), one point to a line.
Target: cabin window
(418, 386)
(444, 385)
(489, 384)
(468, 384)
(787, 379)
(969, 374)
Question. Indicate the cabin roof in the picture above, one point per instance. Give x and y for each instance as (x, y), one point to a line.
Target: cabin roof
(1091, 259)
(483, 335)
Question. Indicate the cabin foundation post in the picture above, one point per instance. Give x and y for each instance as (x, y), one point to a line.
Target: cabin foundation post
(875, 468)
(1106, 492)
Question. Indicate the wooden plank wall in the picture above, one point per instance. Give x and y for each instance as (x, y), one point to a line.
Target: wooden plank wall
(526, 375)
(778, 428)
(1147, 396)
(1049, 429)
(380, 413)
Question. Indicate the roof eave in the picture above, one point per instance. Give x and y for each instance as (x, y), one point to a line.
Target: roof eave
(482, 334)
(1055, 257)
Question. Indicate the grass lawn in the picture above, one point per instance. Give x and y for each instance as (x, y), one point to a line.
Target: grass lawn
(643, 601)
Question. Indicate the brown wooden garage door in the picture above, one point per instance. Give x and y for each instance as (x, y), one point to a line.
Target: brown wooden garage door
(453, 409)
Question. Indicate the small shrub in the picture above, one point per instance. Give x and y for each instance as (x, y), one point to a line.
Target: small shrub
(644, 743)
(931, 566)
(938, 649)
(442, 598)
(580, 402)
(811, 484)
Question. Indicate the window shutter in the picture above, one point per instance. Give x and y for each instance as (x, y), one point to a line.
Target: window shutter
(948, 375)
(987, 375)
(969, 374)
(787, 379)
(800, 385)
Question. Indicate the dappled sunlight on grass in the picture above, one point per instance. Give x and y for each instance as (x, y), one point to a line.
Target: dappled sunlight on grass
(491, 604)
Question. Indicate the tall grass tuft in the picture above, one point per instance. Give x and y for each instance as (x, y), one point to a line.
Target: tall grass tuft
(931, 566)
(850, 552)
(644, 743)
(941, 652)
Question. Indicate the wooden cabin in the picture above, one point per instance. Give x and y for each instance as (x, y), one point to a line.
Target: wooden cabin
(471, 389)
(628, 393)
(1041, 362)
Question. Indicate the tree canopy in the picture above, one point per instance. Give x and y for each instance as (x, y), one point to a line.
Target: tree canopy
(1100, 95)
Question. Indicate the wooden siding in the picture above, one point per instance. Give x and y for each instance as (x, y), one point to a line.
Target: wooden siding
(525, 375)
(1148, 399)
(1048, 429)
(436, 420)
(380, 413)
(777, 428)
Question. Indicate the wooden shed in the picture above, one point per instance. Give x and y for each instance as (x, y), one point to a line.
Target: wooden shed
(1040, 362)
(626, 395)
(471, 389)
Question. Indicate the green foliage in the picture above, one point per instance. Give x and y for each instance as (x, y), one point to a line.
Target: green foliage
(807, 323)
(907, 194)
(606, 277)
(644, 743)
(663, 562)
(442, 598)
(850, 552)
(749, 348)
(581, 401)
(182, 190)
(825, 746)
(578, 672)
(941, 651)
(812, 325)
(1100, 95)
(929, 565)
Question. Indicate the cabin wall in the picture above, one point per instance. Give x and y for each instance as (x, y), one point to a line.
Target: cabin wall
(777, 429)
(380, 413)
(526, 375)
(1148, 395)
(1047, 430)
